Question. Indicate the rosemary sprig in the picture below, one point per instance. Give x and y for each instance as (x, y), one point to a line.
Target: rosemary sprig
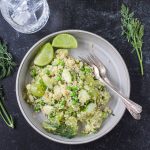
(133, 30)
(6, 61)
(3, 112)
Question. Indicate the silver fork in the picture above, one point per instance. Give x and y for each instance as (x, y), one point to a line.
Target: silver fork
(132, 107)
(103, 73)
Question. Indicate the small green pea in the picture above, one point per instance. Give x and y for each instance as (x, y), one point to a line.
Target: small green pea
(69, 88)
(48, 72)
(87, 70)
(74, 88)
(73, 94)
(58, 78)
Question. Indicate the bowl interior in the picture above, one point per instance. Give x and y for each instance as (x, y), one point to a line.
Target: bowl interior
(117, 73)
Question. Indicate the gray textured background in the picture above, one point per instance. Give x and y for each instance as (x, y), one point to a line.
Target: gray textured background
(101, 17)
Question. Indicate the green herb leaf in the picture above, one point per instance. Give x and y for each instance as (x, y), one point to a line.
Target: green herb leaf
(6, 61)
(133, 30)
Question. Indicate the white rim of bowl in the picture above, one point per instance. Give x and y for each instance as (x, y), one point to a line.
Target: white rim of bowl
(17, 88)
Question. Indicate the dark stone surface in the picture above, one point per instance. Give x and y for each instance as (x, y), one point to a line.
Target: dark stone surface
(101, 17)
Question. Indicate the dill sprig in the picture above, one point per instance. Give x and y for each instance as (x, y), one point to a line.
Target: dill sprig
(133, 30)
(3, 112)
(6, 61)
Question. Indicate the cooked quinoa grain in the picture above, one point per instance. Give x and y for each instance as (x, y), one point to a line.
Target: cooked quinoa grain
(68, 94)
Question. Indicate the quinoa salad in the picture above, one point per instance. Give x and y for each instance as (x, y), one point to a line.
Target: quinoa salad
(68, 94)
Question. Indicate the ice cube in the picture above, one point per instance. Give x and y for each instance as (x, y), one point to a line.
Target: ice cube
(21, 18)
(22, 15)
(24, 18)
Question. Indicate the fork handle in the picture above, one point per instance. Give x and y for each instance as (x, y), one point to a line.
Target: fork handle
(132, 106)
(136, 116)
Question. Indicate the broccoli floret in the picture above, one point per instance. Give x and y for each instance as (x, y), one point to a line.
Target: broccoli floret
(38, 104)
(48, 127)
(66, 131)
(62, 130)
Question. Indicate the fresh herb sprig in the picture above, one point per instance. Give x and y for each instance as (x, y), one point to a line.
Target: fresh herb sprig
(133, 30)
(3, 112)
(6, 66)
(6, 61)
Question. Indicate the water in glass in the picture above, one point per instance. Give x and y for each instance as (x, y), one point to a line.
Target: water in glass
(26, 16)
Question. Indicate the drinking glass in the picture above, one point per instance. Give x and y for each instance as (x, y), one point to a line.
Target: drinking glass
(25, 16)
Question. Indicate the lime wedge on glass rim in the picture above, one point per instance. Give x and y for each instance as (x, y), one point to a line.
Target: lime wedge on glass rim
(64, 41)
(45, 55)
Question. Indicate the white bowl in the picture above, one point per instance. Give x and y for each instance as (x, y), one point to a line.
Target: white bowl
(117, 72)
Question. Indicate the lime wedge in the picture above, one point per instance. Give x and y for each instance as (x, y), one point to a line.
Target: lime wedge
(64, 41)
(45, 55)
